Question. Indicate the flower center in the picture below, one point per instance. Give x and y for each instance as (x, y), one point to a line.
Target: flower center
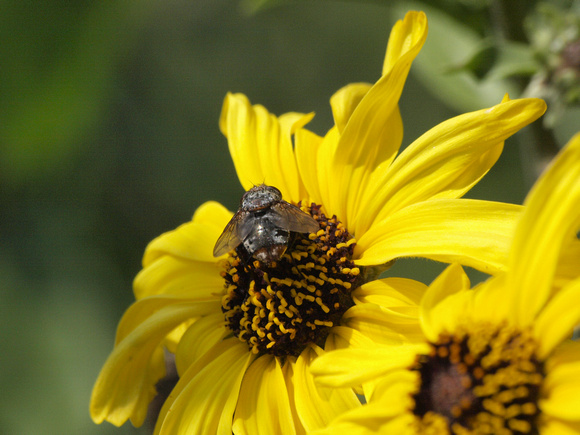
(282, 307)
(484, 381)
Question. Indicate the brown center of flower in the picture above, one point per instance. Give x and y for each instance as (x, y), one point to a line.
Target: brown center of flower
(282, 307)
(485, 381)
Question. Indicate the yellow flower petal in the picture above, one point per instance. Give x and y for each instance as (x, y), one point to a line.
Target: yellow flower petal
(345, 100)
(341, 337)
(261, 145)
(307, 145)
(561, 366)
(391, 292)
(554, 426)
(351, 367)
(374, 130)
(171, 275)
(317, 405)
(127, 381)
(382, 325)
(332, 198)
(199, 339)
(557, 319)
(568, 264)
(264, 404)
(193, 240)
(204, 399)
(551, 218)
(404, 36)
(436, 317)
(446, 161)
(564, 401)
(471, 232)
(567, 353)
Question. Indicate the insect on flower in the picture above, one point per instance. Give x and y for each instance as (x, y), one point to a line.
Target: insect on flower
(263, 224)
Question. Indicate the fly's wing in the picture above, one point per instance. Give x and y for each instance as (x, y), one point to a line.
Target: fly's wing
(230, 238)
(291, 218)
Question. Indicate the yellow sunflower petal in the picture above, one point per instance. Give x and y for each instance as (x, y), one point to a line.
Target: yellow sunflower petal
(564, 401)
(306, 148)
(373, 133)
(562, 367)
(317, 405)
(567, 353)
(370, 420)
(345, 100)
(568, 264)
(391, 292)
(448, 160)
(288, 370)
(127, 381)
(205, 397)
(332, 199)
(435, 316)
(557, 319)
(405, 34)
(261, 145)
(351, 367)
(198, 339)
(384, 326)
(175, 276)
(264, 404)
(193, 240)
(555, 426)
(551, 218)
(471, 232)
(341, 337)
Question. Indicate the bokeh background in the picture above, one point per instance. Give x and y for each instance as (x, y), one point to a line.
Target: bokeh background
(109, 136)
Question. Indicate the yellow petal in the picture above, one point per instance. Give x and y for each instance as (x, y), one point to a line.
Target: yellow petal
(351, 367)
(558, 319)
(345, 100)
(371, 419)
(564, 401)
(568, 264)
(261, 145)
(471, 232)
(307, 145)
(404, 36)
(175, 276)
(264, 404)
(341, 337)
(384, 326)
(391, 292)
(193, 240)
(561, 366)
(332, 198)
(448, 160)
(435, 315)
(127, 381)
(554, 426)
(551, 219)
(205, 397)
(373, 133)
(199, 339)
(317, 405)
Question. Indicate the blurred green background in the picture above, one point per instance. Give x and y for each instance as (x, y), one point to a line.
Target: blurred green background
(109, 136)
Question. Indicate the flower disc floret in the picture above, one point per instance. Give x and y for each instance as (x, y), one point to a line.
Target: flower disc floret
(279, 309)
(481, 379)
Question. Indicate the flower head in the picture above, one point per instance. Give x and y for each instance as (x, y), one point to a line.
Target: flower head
(495, 359)
(245, 327)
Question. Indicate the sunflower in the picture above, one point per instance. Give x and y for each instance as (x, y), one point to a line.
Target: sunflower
(244, 333)
(493, 360)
